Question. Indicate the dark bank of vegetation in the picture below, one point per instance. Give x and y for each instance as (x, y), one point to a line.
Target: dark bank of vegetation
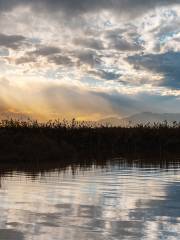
(70, 141)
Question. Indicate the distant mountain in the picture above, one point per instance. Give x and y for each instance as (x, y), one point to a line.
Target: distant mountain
(13, 115)
(142, 118)
(112, 121)
(149, 117)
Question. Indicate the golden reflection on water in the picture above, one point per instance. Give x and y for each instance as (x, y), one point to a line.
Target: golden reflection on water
(116, 202)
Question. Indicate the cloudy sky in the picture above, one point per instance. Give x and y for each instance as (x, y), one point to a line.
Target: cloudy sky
(89, 59)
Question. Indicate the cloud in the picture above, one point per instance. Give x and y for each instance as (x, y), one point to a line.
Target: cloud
(11, 41)
(92, 43)
(165, 64)
(45, 51)
(9, 234)
(78, 7)
(23, 60)
(127, 104)
(105, 74)
(91, 58)
(60, 60)
(88, 57)
(49, 54)
(72, 101)
(51, 100)
(4, 52)
(124, 39)
(119, 43)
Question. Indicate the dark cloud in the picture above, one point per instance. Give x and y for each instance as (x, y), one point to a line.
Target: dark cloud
(24, 60)
(124, 39)
(56, 59)
(11, 234)
(119, 43)
(135, 103)
(105, 74)
(45, 51)
(50, 53)
(88, 57)
(167, 64)
(91, 43)
(78, 7)
(11, 41)
(61, 57)
(60, 60)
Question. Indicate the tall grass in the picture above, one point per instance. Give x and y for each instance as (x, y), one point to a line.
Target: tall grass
(69, 141)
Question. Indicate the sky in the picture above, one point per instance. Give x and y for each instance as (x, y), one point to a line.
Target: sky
(89, 59)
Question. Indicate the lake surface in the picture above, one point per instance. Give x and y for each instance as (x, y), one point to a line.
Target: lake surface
(116, 201)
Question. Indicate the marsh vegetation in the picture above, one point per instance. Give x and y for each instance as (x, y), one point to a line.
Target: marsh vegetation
(55, 140)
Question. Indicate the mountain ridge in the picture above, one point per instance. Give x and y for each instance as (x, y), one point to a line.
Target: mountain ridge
(141, 118)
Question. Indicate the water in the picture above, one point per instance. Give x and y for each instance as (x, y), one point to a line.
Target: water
(117, 201)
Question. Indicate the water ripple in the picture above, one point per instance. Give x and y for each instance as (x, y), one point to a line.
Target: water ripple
(116, 202)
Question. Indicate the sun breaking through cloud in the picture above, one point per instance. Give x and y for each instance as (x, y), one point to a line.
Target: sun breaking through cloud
(89, 59)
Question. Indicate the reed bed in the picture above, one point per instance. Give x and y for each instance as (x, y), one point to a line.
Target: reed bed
(71, 140)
